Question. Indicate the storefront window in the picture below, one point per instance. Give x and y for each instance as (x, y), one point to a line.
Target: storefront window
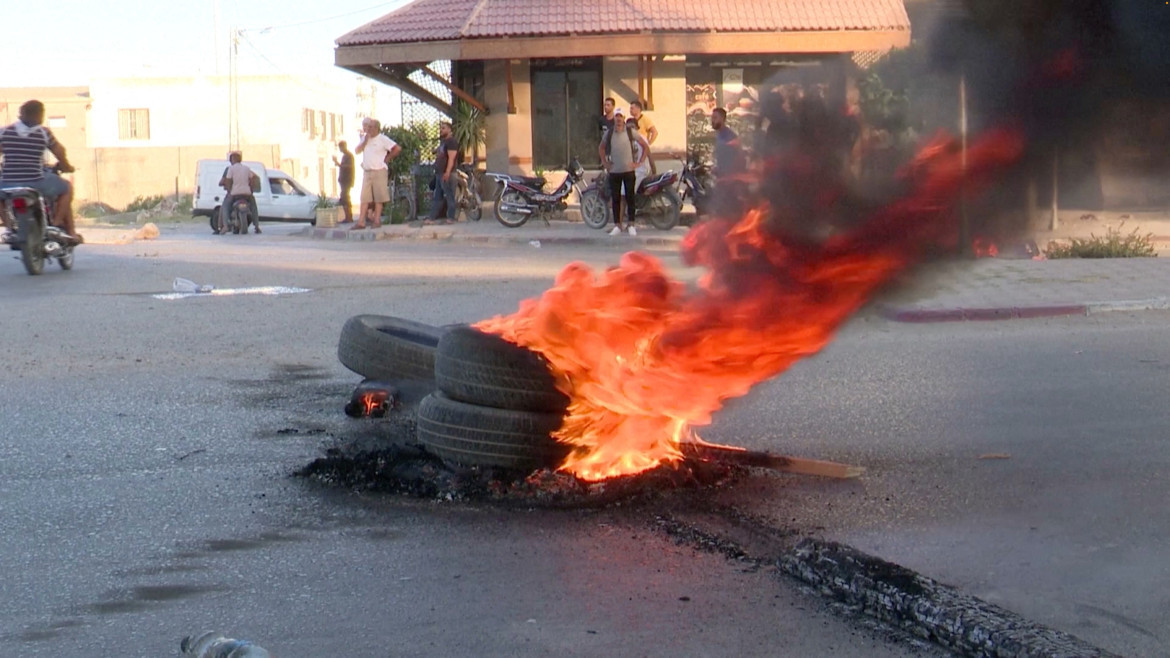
(566, 106)
(749, 89)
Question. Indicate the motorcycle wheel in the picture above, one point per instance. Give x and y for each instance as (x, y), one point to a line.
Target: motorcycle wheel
(511, 219)
(214, 221)
(594, 210)
(32, 252)
(65, 260)
(475, 211)
(666, 218)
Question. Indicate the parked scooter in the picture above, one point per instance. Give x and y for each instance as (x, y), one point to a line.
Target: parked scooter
(467, 194)
(27, 229)
(521, 199)
(655, 199)
(697, 184)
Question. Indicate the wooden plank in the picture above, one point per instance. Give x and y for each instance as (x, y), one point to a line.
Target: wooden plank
(781, 463)
(467, 98)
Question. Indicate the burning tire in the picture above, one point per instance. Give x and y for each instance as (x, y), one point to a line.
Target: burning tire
(472, 435)
(483, 369)
(388, 348)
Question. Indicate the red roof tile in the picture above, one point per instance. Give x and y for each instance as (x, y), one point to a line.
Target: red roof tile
(443, 20)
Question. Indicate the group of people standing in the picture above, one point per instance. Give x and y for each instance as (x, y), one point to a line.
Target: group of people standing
(627, 158)
(377, 151)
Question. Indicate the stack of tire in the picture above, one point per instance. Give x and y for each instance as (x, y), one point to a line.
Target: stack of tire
(493, 404)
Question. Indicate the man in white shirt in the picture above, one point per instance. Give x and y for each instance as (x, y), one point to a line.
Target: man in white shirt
(240, 181)
(377, 151)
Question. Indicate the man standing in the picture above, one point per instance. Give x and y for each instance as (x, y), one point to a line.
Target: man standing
(345, 179)
(241, 181)
(646, 128)
(446, 157)
(377, 151)
(622, 151)
(729, 157)
(606, 121)
(22, 155)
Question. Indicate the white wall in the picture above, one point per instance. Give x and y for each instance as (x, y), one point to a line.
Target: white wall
(194, 111)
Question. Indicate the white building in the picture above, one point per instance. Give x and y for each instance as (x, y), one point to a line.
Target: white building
(131, 137)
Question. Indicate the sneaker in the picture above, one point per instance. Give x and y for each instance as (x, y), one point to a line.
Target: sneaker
(257, 229)
(632, 231)
(617, 230)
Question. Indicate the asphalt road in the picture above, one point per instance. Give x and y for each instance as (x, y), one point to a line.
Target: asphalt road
(145, 490)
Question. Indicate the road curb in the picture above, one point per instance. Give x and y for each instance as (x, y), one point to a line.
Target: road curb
(1151, 304)
(921, 315)
(454, 235)
(925, 607)
(982, 314)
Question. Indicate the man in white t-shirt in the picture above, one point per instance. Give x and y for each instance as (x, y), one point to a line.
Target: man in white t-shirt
(377, 151)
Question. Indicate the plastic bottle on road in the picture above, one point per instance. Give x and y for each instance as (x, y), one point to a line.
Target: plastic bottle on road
(187, 285)
(211, 644)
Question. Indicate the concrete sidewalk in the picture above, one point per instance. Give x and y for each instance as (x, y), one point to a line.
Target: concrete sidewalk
(985, 289)
(489, 231)
(995, 289)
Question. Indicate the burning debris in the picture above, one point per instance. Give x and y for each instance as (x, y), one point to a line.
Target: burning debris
(413, 471)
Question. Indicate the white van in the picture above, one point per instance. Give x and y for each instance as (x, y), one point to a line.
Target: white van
(280, 198)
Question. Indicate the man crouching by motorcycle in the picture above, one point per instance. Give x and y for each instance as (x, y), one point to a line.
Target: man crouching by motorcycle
(239, 180)
(22, 164)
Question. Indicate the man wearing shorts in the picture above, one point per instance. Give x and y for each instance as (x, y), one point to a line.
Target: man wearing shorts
(377, 151)
(22, 163)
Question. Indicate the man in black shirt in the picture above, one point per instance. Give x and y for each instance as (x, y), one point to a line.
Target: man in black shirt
(345, 179)
(605, 123)
(446, 157)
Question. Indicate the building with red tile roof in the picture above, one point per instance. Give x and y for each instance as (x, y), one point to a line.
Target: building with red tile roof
(540, 68)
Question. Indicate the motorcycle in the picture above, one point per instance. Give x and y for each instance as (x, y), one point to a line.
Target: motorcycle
(697, 184)
(655, 198)
(28, 230)
(240, 216)
(521, 197)
(467, 195)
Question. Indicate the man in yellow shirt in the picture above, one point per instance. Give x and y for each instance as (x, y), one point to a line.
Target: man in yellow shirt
(645, 128)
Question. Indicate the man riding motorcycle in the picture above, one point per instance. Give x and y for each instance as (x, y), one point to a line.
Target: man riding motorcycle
(22, 164)
(239, 181)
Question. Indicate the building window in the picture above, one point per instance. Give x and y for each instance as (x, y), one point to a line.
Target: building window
(305, 120)
(134, 124)
(321, 122)
(566, 110)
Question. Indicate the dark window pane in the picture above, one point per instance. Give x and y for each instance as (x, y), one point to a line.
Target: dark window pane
(548, 119)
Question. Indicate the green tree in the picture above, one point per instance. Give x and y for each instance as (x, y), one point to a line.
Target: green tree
(469, 127)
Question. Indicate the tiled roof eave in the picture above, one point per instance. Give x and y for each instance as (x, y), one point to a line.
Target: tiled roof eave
(623, 44)
(359, 41)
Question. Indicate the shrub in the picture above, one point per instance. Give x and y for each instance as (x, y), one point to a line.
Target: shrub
(96, 209)
(145, 203)
(325, 202)
(1112, 245)
(184, 204)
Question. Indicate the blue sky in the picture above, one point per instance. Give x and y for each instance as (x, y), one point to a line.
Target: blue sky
(86, 39)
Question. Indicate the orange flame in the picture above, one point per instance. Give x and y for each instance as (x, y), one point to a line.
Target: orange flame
(644, 359)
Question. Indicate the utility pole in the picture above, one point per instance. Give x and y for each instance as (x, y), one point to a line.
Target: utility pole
(964, 220)
(216, 36)
(234, 90)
